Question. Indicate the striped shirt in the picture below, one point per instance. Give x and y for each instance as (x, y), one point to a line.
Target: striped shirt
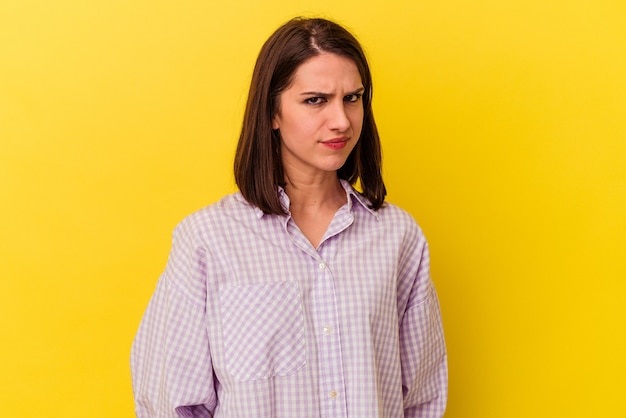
(250, 320)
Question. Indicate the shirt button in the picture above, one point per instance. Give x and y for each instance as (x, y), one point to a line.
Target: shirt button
(322, 266)
(327, 330)
(333, 394)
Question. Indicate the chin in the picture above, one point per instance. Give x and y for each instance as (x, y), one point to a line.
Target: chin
(334, 166)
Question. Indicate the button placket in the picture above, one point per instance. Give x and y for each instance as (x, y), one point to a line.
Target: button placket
(332, 385)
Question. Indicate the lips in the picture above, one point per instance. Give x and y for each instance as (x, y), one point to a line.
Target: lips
(335, 143)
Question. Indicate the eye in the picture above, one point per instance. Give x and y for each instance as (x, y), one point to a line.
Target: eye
(352, 98)
(315, 100)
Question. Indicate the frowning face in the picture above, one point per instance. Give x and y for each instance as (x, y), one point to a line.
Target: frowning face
(320, 115)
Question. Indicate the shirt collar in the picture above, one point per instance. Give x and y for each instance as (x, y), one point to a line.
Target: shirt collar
(351, 194)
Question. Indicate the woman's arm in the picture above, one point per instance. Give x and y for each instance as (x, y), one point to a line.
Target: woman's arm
(170, 359)
(422, 347)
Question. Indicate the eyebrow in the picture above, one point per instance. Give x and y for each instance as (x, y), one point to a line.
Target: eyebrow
(360, 90)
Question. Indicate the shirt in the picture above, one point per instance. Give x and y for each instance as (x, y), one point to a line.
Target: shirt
(250, 320)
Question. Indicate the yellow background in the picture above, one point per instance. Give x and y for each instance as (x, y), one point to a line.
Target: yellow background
(504, 133)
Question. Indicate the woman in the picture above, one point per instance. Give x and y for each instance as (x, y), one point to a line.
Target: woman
(297, 296)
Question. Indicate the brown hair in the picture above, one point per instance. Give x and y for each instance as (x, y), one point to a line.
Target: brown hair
(258, 163)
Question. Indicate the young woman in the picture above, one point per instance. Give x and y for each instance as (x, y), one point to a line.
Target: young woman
(297, 296)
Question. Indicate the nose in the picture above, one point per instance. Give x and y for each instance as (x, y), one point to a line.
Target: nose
(338, 118)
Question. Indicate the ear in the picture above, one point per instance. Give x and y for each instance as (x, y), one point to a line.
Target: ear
(275, 124)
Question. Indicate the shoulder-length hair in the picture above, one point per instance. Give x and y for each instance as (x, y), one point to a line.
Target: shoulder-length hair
(258, 164)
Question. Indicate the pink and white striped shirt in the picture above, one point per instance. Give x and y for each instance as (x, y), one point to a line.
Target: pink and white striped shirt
(250, 320)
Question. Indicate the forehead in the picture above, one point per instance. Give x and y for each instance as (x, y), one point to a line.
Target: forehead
(327, 69)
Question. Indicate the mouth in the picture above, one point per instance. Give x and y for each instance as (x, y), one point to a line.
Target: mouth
(336, 143)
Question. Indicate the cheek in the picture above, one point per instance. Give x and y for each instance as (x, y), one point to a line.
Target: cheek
(299, 126)
(356, 121)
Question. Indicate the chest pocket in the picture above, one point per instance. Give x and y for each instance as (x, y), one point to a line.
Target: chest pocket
(263, 329)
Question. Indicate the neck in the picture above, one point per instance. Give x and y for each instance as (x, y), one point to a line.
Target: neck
(315, 193)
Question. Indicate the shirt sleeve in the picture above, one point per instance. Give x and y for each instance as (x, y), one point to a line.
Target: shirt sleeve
(171, 363)
(422, 348)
